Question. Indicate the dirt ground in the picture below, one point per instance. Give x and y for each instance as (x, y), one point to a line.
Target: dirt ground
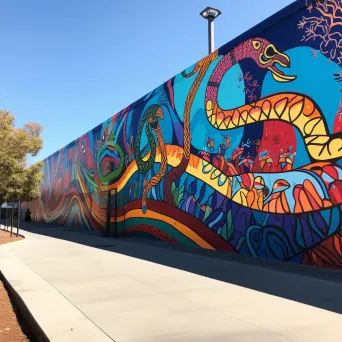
(5, 236)
(10, 330)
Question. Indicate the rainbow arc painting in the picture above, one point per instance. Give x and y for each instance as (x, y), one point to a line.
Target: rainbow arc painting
(241, 152)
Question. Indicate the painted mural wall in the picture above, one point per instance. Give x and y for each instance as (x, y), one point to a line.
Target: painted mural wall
(241, 152)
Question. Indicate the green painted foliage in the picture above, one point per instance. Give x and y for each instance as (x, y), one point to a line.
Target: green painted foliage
(177, 194)
(207, 212)
(227, 231)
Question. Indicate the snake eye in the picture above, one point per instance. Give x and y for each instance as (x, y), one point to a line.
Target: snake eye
(83, 149)
(256, 44)
(103, 137)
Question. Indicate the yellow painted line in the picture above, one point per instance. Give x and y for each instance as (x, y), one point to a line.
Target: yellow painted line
(137, 213)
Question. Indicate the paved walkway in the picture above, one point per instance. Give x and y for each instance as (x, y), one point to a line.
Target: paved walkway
(103, 289)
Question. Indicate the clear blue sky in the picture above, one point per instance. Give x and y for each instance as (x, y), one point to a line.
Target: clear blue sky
(69, 65)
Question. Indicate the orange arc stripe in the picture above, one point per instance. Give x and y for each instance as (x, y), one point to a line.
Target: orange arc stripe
(137, 213)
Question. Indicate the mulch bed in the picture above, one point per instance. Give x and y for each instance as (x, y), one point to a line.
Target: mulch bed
(5, 237)
(10, 329)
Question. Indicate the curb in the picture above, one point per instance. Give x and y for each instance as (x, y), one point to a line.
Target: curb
(32, 328)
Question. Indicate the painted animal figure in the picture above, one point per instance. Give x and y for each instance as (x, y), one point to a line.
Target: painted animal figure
(240, 192)
(286, 159)
(109, 156)
(150, 120)
(174, 174)
(246, 163)
(268, 56)
(265, 161)
(238, 151)
(223, 147)
(296, 109)
(210, 144)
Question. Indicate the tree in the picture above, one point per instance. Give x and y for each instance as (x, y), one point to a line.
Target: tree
(17, 180)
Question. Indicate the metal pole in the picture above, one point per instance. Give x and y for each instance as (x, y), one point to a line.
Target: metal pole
(18, 218)
(12, 212)
(109, 207)
(211, 34)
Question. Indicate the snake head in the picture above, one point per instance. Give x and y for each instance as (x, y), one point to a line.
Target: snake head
(153, 119)
(267, 56)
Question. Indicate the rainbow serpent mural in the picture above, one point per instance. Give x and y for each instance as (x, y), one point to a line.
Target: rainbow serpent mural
(242, 152)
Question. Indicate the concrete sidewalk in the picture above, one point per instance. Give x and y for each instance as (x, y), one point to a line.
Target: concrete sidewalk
(103, 289)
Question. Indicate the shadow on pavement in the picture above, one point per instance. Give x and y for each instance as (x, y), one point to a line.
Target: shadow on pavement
(321, 288)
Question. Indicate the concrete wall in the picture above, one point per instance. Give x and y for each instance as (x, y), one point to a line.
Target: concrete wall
(240, 152)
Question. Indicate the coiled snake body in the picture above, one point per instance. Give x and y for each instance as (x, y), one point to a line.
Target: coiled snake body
(150, 119)
(296, 109)
(176, 172)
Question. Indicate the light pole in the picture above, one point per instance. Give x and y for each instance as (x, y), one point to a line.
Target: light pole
(210, 14)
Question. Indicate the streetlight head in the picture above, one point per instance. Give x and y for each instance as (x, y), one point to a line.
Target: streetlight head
(210, 13)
